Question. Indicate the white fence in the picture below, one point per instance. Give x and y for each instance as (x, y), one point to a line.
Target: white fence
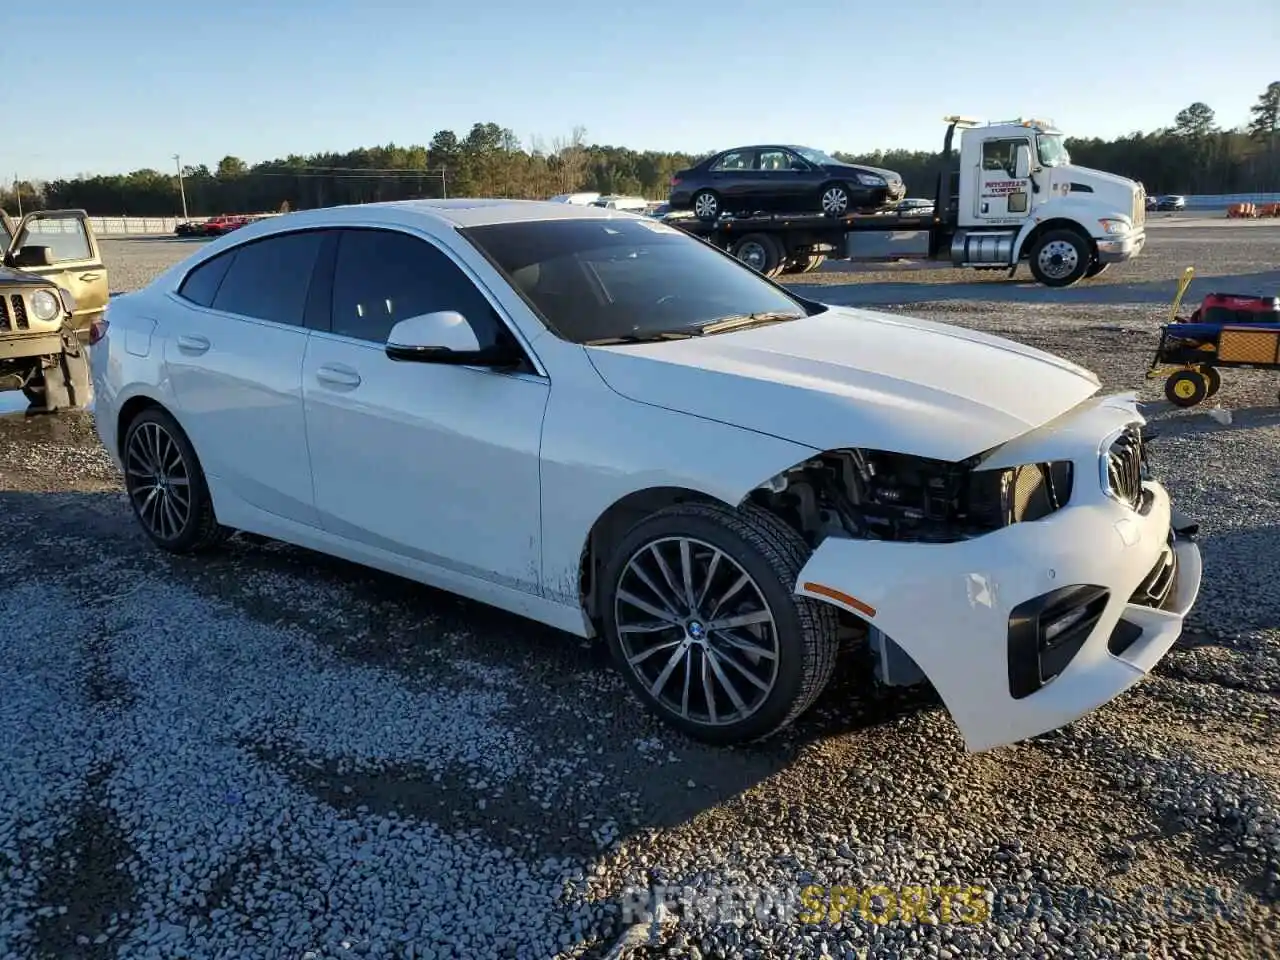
(135, 226)
(151, 226)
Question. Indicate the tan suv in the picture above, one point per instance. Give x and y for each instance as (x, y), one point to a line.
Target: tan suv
(53, 292)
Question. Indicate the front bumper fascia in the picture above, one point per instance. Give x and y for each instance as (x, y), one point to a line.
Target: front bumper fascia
(1119, 249)
(949, 605)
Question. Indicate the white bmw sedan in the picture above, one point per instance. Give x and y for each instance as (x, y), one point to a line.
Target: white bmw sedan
(594, 420)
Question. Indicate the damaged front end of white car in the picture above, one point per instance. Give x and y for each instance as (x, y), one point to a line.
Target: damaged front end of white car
(1029, 583)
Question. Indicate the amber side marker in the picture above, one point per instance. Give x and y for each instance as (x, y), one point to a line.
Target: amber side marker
(852, 602)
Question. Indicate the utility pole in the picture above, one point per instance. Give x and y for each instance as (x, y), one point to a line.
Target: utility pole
(444, 186)
(17, 189)
(181, 189)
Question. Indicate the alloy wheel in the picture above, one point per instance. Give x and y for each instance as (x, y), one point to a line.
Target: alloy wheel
(705, 206)
(158, 481)
(835, 200)
(696, 631)
(1058, 259)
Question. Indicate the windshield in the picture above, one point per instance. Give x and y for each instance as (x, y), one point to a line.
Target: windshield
(1052, 148)
(815, 156)
(626, 278)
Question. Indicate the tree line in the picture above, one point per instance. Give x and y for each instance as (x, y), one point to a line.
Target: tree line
(1193, 155)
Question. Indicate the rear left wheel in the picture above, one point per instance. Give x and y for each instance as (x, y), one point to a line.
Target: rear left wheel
(166, 485)
(701, 619)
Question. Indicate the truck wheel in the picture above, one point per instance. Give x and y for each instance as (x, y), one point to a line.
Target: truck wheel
(1059, 258)
(706, 206)
(166, 485)
(760, 252)
(1185, 388)
(835, 199)
(701, 618)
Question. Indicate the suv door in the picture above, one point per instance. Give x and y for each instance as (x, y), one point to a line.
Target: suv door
(75, 260)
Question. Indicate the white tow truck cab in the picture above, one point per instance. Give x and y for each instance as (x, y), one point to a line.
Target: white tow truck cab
(1010, 194)
(1019, 197)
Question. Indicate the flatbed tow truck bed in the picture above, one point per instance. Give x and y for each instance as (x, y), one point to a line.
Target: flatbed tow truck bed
(776, 243)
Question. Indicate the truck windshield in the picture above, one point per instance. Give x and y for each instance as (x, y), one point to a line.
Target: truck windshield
(1053, 151)
(597, 279)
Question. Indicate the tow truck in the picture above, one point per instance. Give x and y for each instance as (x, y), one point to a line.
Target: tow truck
(1011, 194)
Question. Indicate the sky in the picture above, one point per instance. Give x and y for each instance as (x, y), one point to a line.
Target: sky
(146, 80)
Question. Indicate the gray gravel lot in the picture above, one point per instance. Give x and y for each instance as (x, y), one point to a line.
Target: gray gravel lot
(273, 754)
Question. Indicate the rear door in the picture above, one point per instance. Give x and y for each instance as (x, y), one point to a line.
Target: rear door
(233, 348)
(735, 178)
(76, 259)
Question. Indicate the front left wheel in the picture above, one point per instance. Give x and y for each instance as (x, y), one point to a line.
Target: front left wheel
(166, 485)
(701, 619)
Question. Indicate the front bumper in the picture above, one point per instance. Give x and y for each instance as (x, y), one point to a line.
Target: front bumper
(1120, 249)
(957, 609)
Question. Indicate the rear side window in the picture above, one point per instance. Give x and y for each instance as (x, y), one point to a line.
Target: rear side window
(268, 279)
(201, 284)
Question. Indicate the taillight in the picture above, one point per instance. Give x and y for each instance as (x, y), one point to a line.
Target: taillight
(97, 330)
(675, 181)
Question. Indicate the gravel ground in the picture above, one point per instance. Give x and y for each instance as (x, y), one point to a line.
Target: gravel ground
(273, 754)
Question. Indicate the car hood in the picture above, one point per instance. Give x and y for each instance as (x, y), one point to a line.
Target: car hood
(890, 175)
(12, 275)
(855, 378)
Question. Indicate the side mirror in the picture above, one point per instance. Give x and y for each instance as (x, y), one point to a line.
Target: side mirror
(444, 337)
(33, 256)
(1022, 162)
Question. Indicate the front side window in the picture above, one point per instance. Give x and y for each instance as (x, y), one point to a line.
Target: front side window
(1001, 155)
(382, 277)
(65, 237)
(268, 279)
(596, 279)
(776, 160)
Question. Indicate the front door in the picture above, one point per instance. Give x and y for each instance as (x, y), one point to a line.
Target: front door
(433, 463)
(1002, 197)
(76, 260)
(791, 181)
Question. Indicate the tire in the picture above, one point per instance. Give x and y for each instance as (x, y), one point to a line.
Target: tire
(1060, 258)
(800, 632)
(1212, 380)
(835, 199)
(706, 206)
(760, 252)
(1185, 388)
(1096, 269)
(196, 528)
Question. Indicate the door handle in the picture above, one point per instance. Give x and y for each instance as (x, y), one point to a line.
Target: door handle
(190, 344)
(89, 277)
(337, 376)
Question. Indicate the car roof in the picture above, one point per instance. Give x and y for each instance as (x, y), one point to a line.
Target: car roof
(459, 212)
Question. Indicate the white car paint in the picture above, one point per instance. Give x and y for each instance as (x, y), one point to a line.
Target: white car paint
(488, 484)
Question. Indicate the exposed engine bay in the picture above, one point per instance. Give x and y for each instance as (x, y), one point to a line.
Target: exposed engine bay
(890, 496)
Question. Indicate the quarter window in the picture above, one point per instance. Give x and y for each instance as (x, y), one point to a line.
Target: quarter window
(382, 277)
(268, 279)
(201, 284)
